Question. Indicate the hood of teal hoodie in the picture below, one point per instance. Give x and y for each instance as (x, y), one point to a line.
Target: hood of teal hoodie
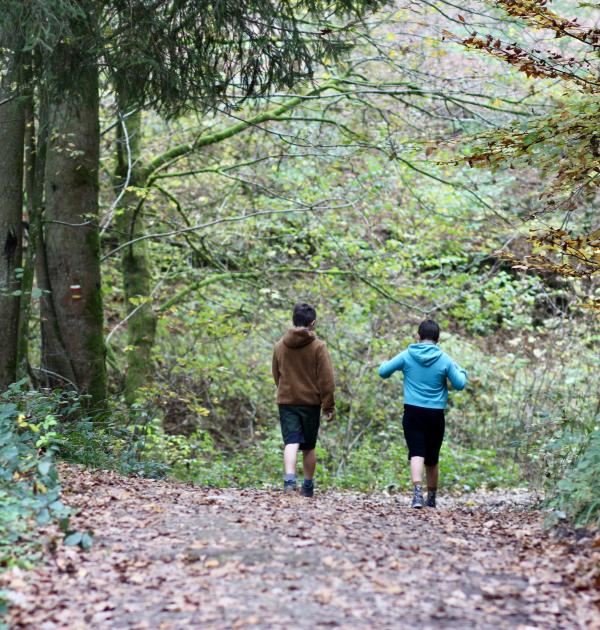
(424, 354)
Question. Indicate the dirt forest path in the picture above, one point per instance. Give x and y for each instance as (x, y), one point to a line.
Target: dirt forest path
(170, 556)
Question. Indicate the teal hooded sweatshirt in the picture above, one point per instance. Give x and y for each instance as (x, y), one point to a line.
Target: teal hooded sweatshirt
(426, 370)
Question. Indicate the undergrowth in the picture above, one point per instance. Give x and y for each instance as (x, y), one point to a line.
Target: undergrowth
(577, 494)
(377, 463)
(29, 485)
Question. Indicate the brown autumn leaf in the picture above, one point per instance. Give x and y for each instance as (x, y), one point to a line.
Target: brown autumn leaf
(213, 563)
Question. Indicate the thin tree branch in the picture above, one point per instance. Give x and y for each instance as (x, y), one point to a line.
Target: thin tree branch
(202, 226)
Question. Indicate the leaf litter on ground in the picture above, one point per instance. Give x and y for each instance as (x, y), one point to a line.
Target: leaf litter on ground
(172, 556)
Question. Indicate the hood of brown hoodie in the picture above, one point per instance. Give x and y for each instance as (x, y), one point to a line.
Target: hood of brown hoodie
(298, 337)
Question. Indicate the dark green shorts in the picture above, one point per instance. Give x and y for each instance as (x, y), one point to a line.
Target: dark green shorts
(300, 425)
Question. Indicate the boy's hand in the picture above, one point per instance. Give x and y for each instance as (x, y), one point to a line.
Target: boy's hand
(328, 416)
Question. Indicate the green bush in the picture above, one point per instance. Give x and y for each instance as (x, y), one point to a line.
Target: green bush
(36, 429)
(577, 495)
(114, 441)
(29, 485)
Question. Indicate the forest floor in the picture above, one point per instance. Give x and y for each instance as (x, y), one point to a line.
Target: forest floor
(169, 556)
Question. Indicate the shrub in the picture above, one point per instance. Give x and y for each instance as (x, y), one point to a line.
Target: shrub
(29, 486)
(577, 495)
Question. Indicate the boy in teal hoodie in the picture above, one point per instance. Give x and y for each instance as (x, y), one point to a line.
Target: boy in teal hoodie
(427, 371)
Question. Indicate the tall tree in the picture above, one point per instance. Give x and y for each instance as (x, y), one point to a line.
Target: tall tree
(73, 342)
(135, 265)
(12, 129)
(36, 136)
(71, 237)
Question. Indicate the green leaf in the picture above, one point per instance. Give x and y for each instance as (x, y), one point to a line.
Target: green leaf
(57, 506)
(86, 541)
(73, 539)
(44, 467)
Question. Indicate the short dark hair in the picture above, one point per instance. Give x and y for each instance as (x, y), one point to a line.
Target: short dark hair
(304, 314)
(429, 330)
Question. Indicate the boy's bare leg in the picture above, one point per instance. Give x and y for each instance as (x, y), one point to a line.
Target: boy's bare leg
(290, 457)
(432, 473)
(416, 469)
(309, 463)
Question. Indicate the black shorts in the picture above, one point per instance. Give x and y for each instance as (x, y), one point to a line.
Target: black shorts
(424, 432)
(300, 425)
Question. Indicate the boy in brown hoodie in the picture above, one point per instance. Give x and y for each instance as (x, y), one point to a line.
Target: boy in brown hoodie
(305, 384)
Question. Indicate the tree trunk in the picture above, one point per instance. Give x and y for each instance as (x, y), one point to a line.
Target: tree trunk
(137, 278)
(34, 187)
(12, 130)
(73, 344)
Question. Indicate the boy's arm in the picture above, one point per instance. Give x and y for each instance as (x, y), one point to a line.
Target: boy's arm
(275, 368)
(457, 376)
(387, 368)
(326, 380)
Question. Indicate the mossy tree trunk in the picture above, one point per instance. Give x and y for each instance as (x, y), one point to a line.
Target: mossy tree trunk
(12, 130)
(35, 147)
(130, 177)
(73, 343)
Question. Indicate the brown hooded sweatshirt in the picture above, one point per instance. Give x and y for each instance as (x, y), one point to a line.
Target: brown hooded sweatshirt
(302, 370)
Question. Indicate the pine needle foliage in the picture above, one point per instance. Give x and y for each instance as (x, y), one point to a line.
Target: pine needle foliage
(179, 54)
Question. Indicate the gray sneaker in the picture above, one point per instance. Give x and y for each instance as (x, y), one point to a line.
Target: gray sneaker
(289, 487)
(417, 501)
(430, 501)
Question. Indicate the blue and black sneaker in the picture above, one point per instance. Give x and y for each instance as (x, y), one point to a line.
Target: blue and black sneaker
(307, 489)
(289, 487)
(430, 501)
(417, 501)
